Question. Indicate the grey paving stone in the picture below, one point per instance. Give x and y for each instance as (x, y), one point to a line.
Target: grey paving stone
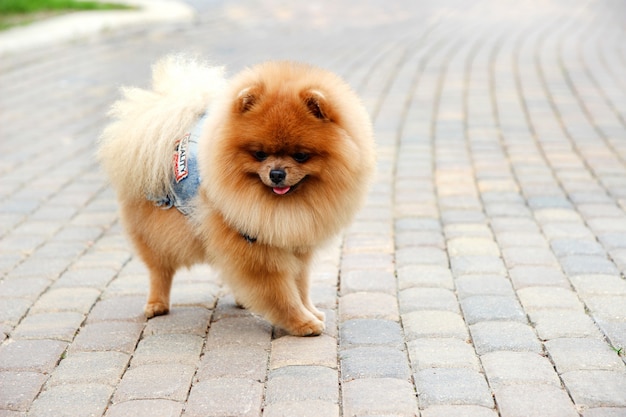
(103, 259)
(225, 396)
(605, 412)
(12, 310)
(234, 361)
(118, 309)
(324, 296)
(409, 238)
(462, 216)
(107, 336)
(194, 294)
(379, 396)
(162, 381)
(420, 256)
(534, 298)
(246, 330)
(597, 388)
(168, 348)
(374, 280)
(565, 230)
(619, 257)
(415, 299)
(534, 401)
(546, 215)
(436, 324)
(90, 367)
(507, 224)
(86, 277)
(417, 223)
(292, 351)
(471, 285)
(532, 276)
(370, 332)
(521, 239)
(19, 389)
(607, 224)
(58, 326)
(38, 267)
(612, 240)
(366, 261)
(153, 408)
(368, 305)
(127, 285)
(578, 354)
(468, 246)
(552, 324)
(374, 362)
(599, 284)
(365, 243)
(442, 353)
(181, 320)
(30, 355)
(368, 227)
(67, 299)
(458, 411)
(608, 307)
(510, 368)
(476, 230)
(309, 408)
(506, 335)
(492, 307)
(452, 386)
(425, 276)
(587, 264)
(75, 400)
(29, 288)
(526, 256)
(569, 247)
(614, 330)
(465, 265)
(302, 383)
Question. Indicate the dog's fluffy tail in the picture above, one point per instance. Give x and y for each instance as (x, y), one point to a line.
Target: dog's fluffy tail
(136, 149)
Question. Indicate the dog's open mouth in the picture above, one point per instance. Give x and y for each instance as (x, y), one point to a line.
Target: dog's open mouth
(287, 189)
(281, 190)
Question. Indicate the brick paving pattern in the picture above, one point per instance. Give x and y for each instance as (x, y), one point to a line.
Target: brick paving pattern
(485, 276)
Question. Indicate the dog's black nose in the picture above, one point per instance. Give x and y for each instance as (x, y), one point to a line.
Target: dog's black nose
(277, 175)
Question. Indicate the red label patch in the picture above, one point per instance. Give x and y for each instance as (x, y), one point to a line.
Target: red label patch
(181, 169)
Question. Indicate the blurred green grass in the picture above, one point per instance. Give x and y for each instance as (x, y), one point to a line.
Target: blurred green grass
(22, 12)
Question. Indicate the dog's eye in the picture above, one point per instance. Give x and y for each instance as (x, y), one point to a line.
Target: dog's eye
(260, 155)
(300, 157)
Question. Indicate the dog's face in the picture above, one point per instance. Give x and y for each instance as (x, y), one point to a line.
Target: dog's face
(290, 155)
(283, 139)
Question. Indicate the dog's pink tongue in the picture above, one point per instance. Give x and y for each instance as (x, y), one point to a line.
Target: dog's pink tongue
(281, 190)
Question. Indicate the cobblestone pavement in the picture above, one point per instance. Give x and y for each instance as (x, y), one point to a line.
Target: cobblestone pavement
(485, 276)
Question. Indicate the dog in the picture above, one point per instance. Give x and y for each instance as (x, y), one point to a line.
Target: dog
(251, 174)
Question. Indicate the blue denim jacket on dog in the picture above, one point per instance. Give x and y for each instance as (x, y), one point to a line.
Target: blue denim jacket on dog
(186, 179)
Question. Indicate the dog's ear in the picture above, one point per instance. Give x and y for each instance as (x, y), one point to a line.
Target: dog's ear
(316, 103)
(247, 98)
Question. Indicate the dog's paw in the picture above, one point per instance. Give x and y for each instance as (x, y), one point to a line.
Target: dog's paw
(155, 309)
(321, 316)
(313, 327)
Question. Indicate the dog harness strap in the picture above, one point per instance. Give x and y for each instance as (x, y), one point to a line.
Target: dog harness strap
(248, 238)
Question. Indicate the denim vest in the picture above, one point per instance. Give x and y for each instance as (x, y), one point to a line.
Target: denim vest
(186, 178)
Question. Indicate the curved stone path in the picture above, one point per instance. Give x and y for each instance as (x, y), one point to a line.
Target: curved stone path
(485, 276)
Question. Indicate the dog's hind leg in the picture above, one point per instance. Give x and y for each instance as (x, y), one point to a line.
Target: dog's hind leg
(159, 296)
(164, 241)
(161, 277)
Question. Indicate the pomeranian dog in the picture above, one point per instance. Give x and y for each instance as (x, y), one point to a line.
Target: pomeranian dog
(250, 175)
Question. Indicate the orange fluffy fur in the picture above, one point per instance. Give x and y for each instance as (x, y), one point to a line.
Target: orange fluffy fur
(300, 120)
